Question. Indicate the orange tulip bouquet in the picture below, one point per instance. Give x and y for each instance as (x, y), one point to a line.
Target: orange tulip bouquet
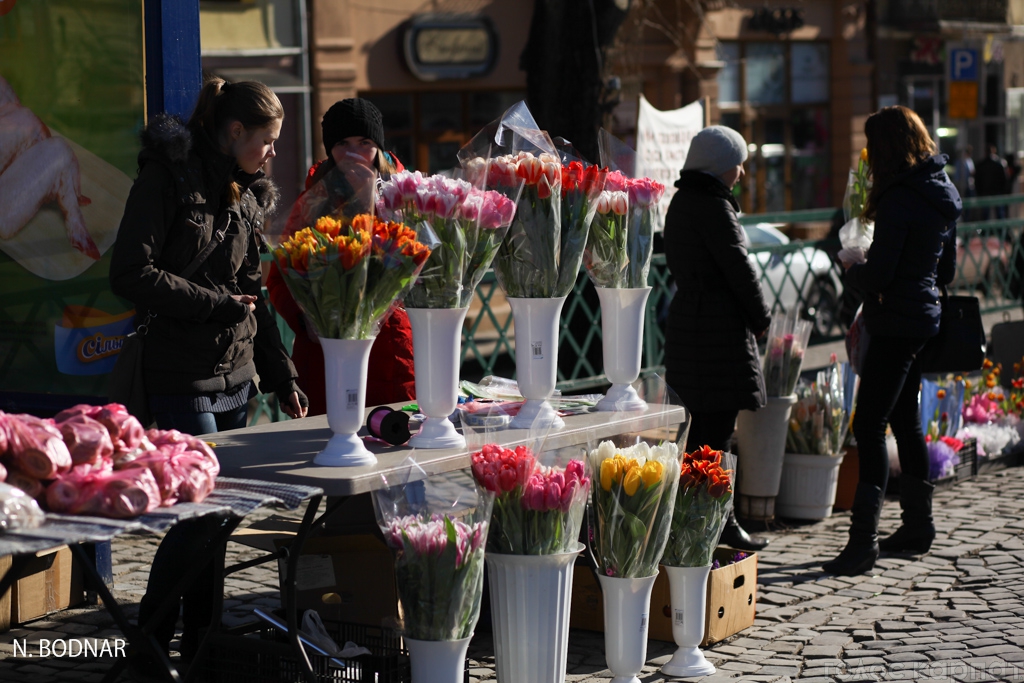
(702, 505)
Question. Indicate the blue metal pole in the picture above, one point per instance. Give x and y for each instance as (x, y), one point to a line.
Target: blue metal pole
(174, 72)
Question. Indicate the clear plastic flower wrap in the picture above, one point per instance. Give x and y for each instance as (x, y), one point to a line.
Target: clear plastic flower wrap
(346, 268)
(702, 505)
(942, 403)
(582, 184)
(636, 476)
(437, 528)
(820, 419)
(788, 335)
(540, 494)
(516, 158)
(18, 510)
(621, 242)
(468, 222)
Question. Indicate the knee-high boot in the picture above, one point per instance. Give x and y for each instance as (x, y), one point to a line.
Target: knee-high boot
(735, 536)
(861, 550)
(917, 532)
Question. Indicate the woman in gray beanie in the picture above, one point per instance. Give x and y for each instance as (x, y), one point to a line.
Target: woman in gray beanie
(711, 355)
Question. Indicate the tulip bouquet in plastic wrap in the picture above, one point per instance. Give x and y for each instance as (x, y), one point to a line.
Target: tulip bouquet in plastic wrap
(636, 476)
(346, 268)
(437, 528)
(467, 222)
(538, 508)
(582, 185)
(621, 242)
(539, 257)
(98, 460)
(857, 233)
(820, 419)
(702, 505)
(787, 342)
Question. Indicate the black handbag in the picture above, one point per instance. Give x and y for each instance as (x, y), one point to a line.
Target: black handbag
(960, 344)
(126, 385)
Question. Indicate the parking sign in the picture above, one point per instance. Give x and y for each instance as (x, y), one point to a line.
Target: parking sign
(963, 64)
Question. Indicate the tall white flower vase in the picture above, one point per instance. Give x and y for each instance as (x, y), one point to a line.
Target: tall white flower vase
(688, 588)
(761, 436)
(536, 323)
(437, 661)
(437, 345)
(627, 609)
(345, 364)
(622, 335)
(530, 600)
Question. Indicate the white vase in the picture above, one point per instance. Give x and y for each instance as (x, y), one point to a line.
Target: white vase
(627, 610)
(437, 661)
(761, 436)
(345, 364)
(530, 600)
(536, 322)
(688, 587)
(622, 335)
(808, 486)
(437, 346)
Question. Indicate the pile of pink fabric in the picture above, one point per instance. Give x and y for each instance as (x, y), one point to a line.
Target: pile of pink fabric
(98, 460)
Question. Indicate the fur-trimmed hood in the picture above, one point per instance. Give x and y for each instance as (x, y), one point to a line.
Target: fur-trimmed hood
(168, 138)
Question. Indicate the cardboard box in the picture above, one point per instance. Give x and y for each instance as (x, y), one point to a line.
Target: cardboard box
(731, 601)
(347, 578)
(51, 581)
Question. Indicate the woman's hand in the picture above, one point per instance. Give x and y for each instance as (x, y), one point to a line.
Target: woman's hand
(248, 299)
(293, 408)
(852, 255)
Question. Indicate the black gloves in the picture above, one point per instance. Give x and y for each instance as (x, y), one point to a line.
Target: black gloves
(285, 392)
(230, 311)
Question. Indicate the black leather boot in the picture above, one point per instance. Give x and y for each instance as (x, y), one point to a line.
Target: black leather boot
(917, 532)
(861, 550)
(734, 536)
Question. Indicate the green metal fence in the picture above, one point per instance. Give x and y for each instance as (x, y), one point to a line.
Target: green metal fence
(800, 274)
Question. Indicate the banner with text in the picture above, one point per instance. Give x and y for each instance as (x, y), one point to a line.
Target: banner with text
(662, 141)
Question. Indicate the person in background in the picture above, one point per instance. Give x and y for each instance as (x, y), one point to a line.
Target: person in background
(350, 127)
(915, 208)
(964, 172)
(187, 255)
(711, 356)
(992, 178)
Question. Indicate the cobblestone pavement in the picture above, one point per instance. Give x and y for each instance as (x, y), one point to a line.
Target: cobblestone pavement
(955, 614)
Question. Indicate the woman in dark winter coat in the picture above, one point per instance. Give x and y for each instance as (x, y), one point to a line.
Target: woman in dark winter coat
(188, 256)
(915, 208)
(352, 126)
(711, 354)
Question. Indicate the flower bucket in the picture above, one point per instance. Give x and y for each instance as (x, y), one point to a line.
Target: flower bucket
(437, 661)
(761, 437)
(808, 486)
(536, 325)
(437, 343)
(345, 366)
(627, 608)
(530, 597)
(688, 587)
(622, 332)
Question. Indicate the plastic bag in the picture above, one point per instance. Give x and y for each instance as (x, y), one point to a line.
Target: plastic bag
(942, 404)
(437, 528)
(35, 446)
(788, 335)
(636, 476)
(702, 505)
(18, 510)
(88, 440)
(520, 161)
(344, 267)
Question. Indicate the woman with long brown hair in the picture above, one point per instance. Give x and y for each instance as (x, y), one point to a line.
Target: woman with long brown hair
(915, 208)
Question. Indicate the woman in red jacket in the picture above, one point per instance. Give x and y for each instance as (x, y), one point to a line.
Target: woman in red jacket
(350, 127)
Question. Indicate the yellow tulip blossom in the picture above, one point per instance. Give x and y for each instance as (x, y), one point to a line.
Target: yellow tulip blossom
(652, 472)
(609, 473)
(631, 482)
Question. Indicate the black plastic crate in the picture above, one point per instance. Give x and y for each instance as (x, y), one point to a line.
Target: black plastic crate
(968, 465)
(264, 655)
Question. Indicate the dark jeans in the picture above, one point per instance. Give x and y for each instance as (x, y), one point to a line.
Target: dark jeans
(712, 429)
(175, 555)
(888, 394)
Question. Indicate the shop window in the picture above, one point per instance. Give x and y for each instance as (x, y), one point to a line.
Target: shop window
(776, 95)
(425, 130)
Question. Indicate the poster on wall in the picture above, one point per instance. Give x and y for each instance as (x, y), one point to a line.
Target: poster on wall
(71, 107)
(662, 141)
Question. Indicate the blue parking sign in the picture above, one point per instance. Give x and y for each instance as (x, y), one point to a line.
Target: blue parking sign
(963, 64)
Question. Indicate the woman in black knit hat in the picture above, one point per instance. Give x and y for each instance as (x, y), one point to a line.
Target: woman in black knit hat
(352, 129)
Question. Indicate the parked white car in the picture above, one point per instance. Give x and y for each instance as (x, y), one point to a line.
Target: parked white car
(804, 277)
